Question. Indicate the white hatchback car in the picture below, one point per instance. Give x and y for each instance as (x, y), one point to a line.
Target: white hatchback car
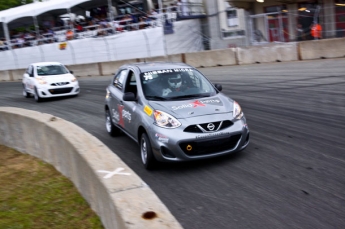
(49, 79)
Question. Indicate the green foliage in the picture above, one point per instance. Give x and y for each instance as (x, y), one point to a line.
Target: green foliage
(6, 4)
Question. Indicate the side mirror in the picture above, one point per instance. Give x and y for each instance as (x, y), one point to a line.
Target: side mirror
(71, 72)
(219, 87)
(129, 96)
(26, 75)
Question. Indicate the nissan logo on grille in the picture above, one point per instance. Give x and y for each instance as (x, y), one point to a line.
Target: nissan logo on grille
(210, 126)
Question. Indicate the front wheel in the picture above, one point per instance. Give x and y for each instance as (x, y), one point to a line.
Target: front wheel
(25, 93)
(111, 128)
(37, 96)
(147, 157)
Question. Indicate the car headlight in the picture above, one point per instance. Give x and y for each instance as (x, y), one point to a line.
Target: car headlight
(74, 79)
(41, 81)
(237, 111)
(165, 120)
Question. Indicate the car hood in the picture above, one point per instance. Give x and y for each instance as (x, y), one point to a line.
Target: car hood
(195, 107)
(57, 78)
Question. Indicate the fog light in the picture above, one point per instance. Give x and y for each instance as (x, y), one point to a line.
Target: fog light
(167, 153)
(189, 147)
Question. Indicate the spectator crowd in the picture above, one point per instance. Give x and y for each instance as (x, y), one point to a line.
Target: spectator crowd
(98, 24)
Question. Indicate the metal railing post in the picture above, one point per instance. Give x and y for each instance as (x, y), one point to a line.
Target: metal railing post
(7, 36)
(147, 44)
(108, 49)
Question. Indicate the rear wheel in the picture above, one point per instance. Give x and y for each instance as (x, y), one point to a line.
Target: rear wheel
(37, 96)
(25, 93)
(111, 128)
(147, 157)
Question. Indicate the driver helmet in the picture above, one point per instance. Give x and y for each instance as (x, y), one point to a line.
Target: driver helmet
(175, 81)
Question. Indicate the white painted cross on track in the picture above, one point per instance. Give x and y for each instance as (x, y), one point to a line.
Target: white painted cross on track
(115, 172)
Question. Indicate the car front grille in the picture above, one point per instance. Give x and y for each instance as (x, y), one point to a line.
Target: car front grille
(210, 146)
(60, 90)
(202, 128)
(59, 84)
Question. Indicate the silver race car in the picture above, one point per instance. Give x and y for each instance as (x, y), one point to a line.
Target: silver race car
(174, 113)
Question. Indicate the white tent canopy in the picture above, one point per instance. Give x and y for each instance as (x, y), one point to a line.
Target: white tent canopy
(35, 9)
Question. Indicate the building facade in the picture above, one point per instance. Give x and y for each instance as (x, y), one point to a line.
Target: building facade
(234, 23)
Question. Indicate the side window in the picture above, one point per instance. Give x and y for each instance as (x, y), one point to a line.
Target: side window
(120, 78)
(131, 84)
(30, 70)
(194, 80)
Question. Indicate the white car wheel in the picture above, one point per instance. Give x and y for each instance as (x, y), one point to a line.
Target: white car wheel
(36, 96)
(25, 93)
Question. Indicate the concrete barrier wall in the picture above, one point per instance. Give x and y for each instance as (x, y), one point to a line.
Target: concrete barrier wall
(81, 70)
(211, 58)
(121, 201)
(171, 58)
(267, 53)
(327, 48)
(5, 76)
(17, 74)
(109, 68)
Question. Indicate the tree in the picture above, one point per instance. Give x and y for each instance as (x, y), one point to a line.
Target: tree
(7, 4)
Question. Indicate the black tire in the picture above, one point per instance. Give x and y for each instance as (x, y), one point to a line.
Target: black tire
(25, 93)
(147, 158)
(109, 126)
(37, 96)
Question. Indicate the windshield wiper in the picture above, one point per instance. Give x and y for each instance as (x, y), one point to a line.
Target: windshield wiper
(153, 97)
(191, 96)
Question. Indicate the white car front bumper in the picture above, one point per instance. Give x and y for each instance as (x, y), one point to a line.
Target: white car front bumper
(47, 91)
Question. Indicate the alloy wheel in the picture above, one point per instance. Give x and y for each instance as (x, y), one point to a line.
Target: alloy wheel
(143, 151)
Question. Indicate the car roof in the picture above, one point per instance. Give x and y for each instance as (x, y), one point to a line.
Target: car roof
(151, 66)
(46, 63)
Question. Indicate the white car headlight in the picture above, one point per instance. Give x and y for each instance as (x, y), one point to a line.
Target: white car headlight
(41, 81)
(237, 111)
(165, 120)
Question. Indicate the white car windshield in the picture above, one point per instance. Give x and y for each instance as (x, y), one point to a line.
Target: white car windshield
(46, 70)
(170, 84)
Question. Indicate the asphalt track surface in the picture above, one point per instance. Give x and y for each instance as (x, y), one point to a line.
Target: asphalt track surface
(292, 175)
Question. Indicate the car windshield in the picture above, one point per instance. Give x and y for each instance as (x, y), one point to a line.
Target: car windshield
(175, 84)
(46, 70)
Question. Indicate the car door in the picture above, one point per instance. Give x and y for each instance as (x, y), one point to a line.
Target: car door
(130, 108)
(28, 79)
(116, 89)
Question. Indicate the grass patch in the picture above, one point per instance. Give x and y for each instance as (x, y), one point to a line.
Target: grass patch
(34, 195)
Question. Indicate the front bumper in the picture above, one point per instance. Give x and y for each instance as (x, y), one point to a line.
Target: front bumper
(56, 91)
(178, 145)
